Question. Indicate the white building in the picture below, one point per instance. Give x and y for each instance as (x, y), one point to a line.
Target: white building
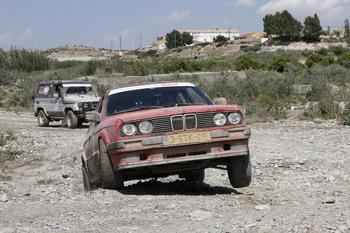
(208, 35)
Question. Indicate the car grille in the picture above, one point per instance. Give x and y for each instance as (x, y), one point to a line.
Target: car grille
(182, 122)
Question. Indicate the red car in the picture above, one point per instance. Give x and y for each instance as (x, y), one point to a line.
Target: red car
(163, 129)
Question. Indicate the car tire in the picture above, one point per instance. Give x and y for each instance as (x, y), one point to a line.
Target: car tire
(239, 171)
(86, 181)
(42, 119)
(109, 179)
(194, 176)
(71, 120)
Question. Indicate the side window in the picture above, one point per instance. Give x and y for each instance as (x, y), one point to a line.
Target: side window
(43, 91)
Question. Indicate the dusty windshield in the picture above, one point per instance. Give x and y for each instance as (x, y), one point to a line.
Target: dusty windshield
(80, 90)
(156, 98)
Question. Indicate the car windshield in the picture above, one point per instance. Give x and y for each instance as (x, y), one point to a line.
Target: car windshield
(156, 98)
(80, 90)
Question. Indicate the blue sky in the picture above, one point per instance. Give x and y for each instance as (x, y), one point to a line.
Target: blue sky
(50, 23)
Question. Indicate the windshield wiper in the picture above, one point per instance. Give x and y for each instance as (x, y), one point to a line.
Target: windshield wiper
(181, 104)
(137, 109)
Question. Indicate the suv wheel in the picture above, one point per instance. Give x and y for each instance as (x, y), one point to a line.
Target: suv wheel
(194, 176)
(109, 178)
(239, 171)
(71, 120)
(42, 119)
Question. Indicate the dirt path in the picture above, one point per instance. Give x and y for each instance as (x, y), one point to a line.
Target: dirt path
(301, 184)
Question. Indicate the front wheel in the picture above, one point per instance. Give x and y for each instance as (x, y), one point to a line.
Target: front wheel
(42, 119)
(109, 178)
(86, 180)
(71, 120)
(239, 171)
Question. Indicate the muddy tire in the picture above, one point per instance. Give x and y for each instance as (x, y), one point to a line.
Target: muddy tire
(109, 179)
(71, 120)
(86, 181)
(42, 119)
(194, 176)
(239, 171)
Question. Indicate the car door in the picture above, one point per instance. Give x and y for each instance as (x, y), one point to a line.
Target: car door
(58, 106)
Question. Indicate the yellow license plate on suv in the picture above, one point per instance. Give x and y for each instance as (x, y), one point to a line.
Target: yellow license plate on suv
(187, 138)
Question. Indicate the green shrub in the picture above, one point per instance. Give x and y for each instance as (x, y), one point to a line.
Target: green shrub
(246, 63)
(319, 89)
(278, 64)
(89, 68)
(338, 50)
(328, 109)
(345, 116)
(317, 58)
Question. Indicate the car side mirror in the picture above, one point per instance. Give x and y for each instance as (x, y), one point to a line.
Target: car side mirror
(220, 101)
(93, 116)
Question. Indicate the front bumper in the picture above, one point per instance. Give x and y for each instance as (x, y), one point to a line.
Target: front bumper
(154, 151)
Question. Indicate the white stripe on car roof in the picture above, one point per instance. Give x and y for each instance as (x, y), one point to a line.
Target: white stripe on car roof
(150, 86)
(76, 85)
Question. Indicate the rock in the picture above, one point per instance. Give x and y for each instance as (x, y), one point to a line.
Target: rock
(329, 201)
(262, 207)
(4, 198)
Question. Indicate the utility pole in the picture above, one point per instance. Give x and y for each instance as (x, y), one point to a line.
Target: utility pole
(112, 45)
(140, 42)
(346, 29)
(120, 42)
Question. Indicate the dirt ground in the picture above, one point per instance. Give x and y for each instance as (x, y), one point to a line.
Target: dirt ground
(301, 183)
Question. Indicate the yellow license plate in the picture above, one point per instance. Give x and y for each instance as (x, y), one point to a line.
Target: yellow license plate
(186, 138)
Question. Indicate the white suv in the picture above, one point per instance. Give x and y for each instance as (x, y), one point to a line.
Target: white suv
(64, 100)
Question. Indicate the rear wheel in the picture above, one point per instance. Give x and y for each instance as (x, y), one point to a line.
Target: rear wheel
(71, 120)
(239, 171)
(42, 119)
(109, 178)
(194, 176)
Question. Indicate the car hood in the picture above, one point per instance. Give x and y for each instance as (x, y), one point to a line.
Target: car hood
(169, 111)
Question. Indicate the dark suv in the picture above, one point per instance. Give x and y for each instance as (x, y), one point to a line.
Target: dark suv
(64, 100)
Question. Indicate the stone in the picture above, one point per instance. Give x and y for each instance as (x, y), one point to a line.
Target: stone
(329, 201)
(4, 198)
(262, 207)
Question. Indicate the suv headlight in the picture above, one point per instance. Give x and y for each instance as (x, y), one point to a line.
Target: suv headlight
(145, 127)
(219, 119)
(84, 106)
(129, 129)
(234, 118)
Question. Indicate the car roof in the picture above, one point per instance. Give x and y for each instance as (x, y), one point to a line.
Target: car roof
(150, 86)
(64, 82)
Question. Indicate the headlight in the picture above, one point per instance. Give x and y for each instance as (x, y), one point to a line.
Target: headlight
(129, 129)
(234, 118)
(145, 127)
(219, 119)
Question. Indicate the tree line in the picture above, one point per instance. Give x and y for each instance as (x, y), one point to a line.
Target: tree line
(285, 27)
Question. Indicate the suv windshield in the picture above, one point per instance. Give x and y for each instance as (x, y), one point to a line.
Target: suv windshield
(156, 98)
(80, 90)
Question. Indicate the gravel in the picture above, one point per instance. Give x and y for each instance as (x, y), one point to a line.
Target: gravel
(300, 184)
